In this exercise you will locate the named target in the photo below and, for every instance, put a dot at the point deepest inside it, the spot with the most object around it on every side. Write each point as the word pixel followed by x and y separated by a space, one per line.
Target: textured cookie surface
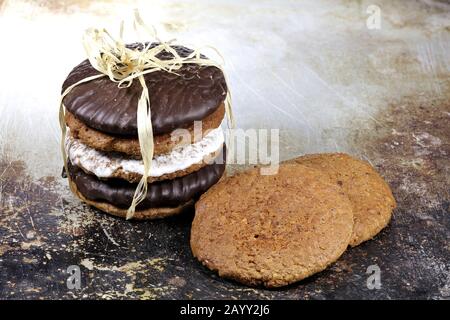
pixel 271 230
pixel 370 195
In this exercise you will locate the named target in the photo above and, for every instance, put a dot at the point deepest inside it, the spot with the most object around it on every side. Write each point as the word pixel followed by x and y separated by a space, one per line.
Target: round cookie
pixel 104 159
pixel 145 214
pixel 177 99
pixel 130 145
pixel 370 195
pixel 135 177
pixel 168 193
pixel 271 230
pixel 180 162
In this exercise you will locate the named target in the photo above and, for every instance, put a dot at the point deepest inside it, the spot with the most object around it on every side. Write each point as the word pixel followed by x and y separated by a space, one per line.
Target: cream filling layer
pixel 103 164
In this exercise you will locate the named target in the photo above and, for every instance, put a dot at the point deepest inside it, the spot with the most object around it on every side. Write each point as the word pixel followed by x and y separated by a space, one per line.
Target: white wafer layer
pixel 103 164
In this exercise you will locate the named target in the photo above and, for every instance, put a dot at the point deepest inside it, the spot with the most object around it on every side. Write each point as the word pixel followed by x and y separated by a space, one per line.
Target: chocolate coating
pixel 176 100
pixel 166 193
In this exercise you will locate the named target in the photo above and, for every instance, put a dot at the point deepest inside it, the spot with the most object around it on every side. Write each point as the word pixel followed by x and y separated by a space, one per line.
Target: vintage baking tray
pixel 330 76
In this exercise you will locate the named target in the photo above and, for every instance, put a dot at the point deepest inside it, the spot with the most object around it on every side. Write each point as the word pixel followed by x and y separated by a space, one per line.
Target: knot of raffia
pixel 122 64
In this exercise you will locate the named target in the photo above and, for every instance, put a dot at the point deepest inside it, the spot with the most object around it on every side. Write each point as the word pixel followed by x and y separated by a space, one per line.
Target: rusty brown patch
pixel 22 202
pixel 411 148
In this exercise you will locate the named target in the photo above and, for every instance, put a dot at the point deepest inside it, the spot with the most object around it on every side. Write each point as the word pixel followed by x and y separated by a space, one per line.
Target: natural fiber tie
pixel 113 59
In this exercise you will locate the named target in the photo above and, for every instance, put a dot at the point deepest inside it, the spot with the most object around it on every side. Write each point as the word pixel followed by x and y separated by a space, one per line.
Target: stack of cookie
pixel 279 229
pixel 104 157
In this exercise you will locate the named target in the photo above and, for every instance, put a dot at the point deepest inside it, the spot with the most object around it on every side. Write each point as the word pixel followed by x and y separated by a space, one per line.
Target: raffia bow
pixel 113 59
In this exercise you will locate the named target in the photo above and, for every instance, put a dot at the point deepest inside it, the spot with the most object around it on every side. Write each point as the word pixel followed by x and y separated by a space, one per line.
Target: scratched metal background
pixel 310 68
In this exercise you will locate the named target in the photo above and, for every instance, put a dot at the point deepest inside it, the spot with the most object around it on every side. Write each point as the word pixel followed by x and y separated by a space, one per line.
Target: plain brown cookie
pixel 147 214
pixel 370 195
pixel 130 146
pixel 271 230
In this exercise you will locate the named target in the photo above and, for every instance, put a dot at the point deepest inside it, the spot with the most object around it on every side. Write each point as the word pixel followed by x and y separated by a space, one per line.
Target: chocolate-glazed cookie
pixel 166 193
pixel 177 100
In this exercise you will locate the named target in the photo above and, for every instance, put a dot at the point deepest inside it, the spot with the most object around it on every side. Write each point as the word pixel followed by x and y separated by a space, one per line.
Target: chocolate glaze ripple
pixel 176 101
pixel 166 193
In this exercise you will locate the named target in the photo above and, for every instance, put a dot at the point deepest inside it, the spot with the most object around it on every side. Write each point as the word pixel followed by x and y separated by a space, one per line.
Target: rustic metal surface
pixel 311 68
